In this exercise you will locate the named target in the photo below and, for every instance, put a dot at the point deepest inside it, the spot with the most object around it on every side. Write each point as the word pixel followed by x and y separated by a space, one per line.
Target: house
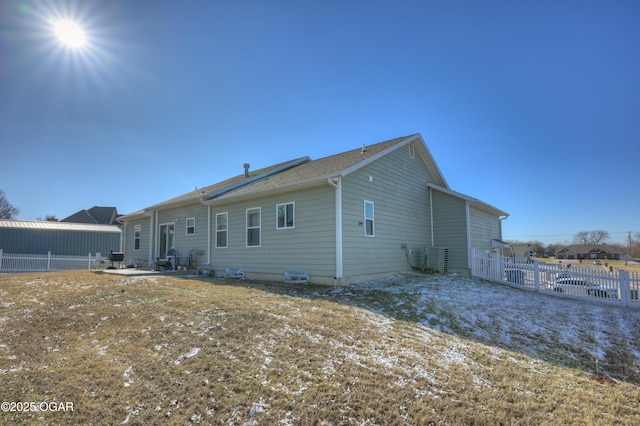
pixel 95 215
pixel 365 213
pixel 60 238
pixel 587 251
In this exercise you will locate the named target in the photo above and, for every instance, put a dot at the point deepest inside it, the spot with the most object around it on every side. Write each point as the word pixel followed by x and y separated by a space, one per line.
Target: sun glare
pixel 70 34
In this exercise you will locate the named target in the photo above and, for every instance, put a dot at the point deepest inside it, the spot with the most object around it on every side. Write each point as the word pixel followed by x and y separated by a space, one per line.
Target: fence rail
pixel 619 287
pixel 16 262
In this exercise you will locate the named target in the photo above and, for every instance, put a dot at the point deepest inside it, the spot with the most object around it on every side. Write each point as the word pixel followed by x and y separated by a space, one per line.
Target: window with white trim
pixel 222 230
pixel 285 216
pixel 137 233
pixel 253 227
pixel 191 226
pixel 368 219
pixel 412 151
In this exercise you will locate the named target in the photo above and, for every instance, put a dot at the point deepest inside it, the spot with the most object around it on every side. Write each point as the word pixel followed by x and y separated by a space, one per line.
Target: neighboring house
pixel 95 215
pixel 587 251
pixel 60 238
pixel 365 213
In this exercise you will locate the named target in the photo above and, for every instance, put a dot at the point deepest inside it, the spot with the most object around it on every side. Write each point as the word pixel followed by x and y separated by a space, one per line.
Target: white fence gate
pixel 616 287
pixel 14 262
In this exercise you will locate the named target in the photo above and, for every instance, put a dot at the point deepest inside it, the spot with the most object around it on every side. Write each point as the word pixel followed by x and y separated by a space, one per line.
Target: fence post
pixel 49 260
pixel 1 259
pixel 89 261
pixel 536 275
pixel 625 287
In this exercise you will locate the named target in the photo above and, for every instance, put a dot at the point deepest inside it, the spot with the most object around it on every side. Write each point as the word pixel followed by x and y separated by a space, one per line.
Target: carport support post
pixel 536 275
pixel 625 287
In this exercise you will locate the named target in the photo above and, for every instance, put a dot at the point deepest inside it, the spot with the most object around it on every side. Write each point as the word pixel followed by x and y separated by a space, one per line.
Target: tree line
pixel 596 237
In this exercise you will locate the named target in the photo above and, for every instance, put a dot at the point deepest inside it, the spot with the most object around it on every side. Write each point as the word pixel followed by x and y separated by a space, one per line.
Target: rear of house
pixel 361 214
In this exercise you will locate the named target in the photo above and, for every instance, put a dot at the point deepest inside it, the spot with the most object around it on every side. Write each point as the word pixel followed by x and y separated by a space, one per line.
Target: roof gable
pixel 96 215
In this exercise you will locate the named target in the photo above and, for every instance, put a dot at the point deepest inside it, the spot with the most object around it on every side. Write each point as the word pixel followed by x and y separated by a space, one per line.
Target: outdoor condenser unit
pixel 437 259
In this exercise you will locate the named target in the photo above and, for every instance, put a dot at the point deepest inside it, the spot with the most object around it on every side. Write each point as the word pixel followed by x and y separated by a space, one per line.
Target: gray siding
pixel 401 210
pixel 309 246
pixel 484 228
pixel 59 242
pixel 450 224
pixel 131 255
pixel 183 242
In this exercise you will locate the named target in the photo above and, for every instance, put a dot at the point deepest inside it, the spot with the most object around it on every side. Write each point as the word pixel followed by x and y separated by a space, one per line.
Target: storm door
pixel 166 237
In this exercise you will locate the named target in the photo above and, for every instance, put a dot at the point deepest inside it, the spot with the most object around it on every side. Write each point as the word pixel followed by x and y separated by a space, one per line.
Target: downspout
pixel 466 205
pixel 208 235
pixel 433 242
pixel 338 186
pixel 501 219
pixel 151 225
pixel 123 238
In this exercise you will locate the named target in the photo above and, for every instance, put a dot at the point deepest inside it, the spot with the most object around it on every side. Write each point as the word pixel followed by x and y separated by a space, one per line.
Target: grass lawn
pixel 404 351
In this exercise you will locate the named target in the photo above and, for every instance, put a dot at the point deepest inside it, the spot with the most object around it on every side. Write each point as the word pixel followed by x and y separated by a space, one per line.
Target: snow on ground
pixel 540 325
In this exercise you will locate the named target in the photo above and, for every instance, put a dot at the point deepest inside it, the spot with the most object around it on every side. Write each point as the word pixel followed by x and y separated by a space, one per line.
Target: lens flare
pixel 70 34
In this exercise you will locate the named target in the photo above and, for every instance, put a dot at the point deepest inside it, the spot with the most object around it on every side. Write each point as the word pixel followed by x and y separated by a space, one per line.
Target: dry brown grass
pixel 178 351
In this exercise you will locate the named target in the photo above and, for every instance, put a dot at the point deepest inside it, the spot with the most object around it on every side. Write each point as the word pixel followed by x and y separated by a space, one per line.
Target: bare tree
pixel 7 211
pixel 596 236
pixel 581 237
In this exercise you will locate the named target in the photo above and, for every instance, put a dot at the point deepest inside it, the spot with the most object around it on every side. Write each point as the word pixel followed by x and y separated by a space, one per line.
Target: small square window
pixel 191 226
pixel 285 216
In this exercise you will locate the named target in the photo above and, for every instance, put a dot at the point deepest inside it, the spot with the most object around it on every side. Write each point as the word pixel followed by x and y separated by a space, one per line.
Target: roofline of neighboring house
pixel 481 205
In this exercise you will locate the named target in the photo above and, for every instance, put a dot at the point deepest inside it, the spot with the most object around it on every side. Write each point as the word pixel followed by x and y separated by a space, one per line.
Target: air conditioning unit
pixel 437 259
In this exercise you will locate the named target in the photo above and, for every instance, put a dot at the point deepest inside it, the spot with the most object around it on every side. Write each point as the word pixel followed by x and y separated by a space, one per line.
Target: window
pixel 368 219
pixel 253 227
pixel 284 216
pixel 222 220
pixel 137 232
pixel 191 226
pixel 412 151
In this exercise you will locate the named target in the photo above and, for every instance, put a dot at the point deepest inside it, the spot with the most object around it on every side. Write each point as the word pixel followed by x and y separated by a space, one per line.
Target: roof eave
pixel 481 205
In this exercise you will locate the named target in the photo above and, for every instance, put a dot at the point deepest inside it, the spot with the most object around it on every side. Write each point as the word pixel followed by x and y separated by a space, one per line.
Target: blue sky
pixel 533 107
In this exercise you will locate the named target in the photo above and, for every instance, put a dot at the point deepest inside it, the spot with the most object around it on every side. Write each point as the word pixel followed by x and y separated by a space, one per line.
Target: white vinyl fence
pixel 13 262
pixel 619 287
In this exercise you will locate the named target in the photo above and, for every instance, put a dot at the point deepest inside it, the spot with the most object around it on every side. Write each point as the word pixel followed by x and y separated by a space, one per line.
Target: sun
pixel 70 34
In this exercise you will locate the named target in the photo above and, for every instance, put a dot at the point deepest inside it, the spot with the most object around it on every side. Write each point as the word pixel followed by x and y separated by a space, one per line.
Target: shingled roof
pixel 295 172
pixel 95 215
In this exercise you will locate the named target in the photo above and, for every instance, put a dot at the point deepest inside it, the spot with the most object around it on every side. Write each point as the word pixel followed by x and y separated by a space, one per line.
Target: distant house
pixel 95 215
pixel 587 251
pixel 361 214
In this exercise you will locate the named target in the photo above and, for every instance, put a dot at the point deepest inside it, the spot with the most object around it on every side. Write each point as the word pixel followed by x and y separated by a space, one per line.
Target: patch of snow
pixel 128 375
